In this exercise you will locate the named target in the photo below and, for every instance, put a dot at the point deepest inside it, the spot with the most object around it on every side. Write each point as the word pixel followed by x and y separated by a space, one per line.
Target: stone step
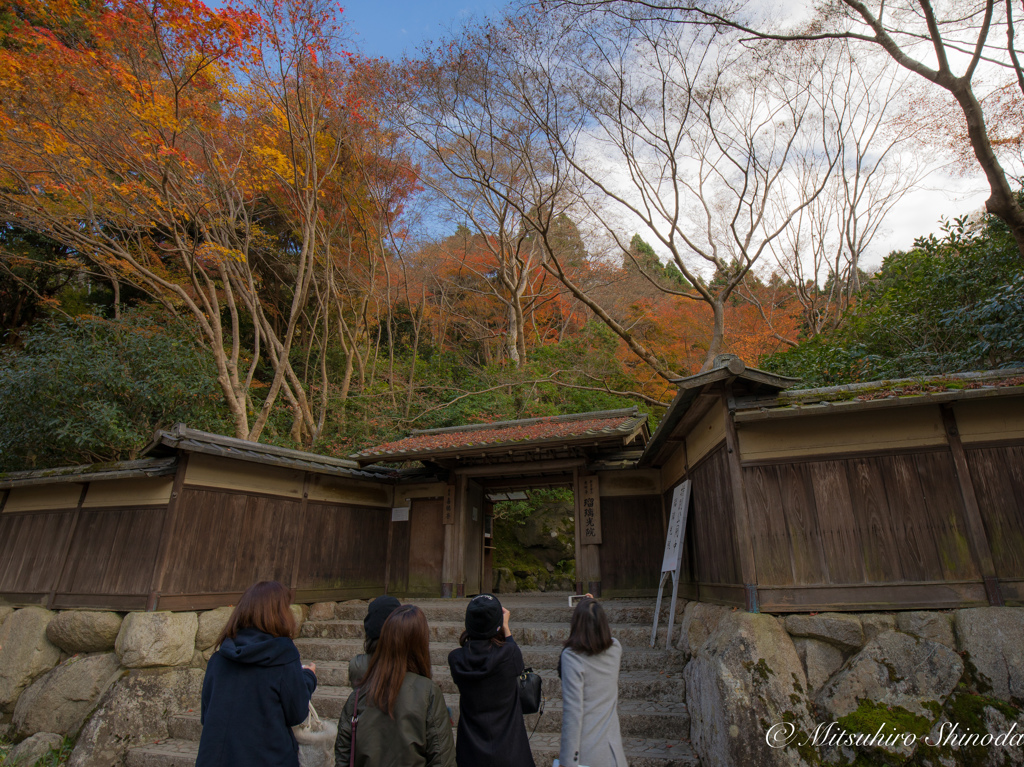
pixel 536 656
pixel 164 753
pixel 335 674
pixel 640 752
pixel 637 718
pixel 637 612
pixel 643 686
pixel 525 633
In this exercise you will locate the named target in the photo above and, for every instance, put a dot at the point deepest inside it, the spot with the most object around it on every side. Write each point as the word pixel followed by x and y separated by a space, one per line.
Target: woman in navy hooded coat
pixel 256 688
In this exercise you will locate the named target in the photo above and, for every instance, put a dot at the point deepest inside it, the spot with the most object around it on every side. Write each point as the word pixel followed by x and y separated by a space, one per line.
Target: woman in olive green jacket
pixel 397 716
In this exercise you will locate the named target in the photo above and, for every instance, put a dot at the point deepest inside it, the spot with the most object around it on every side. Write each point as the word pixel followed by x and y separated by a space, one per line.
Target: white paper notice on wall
pixel 400 514
pixel 676 529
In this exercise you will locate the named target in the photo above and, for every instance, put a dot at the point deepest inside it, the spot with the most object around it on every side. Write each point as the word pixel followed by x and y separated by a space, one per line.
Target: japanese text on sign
pixel 590 510
pixel 676 528
pixel 449 505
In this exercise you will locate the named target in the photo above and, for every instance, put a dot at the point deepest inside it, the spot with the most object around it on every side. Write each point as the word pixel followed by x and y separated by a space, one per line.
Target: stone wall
pixel 926 688
pixel 111 680
pixel 761 689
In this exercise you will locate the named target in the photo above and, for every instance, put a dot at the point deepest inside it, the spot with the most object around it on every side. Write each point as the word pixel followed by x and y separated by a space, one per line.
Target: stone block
pixel 993 639
pixel 700 621
pixel 820 660
pixel 840 629
pixel 30 751
pixel 61 699
pixel 211 623
pixel 136 710
pixel 84 631
pixel 937 627
pixel 743 678
pixel 876 623
pixel 300 612
pixel 25 652
pixel 157 639
pixel 898 679
pixel 322 611
pixel 504 581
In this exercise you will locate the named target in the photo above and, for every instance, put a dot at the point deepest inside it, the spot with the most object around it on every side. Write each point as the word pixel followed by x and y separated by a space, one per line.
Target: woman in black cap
pixel 486 669
pixel 378 612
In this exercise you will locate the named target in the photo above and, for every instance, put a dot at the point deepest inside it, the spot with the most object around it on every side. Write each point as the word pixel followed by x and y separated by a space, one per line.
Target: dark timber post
pixel 980 548
pixel 450 513
pixel 66 548
pixel 741 515
pixel 300 535
pixel 166 534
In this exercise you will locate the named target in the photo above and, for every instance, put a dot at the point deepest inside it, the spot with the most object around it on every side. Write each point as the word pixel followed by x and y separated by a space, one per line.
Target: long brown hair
pixel 589 633
pixel 404 646
pixel 265 606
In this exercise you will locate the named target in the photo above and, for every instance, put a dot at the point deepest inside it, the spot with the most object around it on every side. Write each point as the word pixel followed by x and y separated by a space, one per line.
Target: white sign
pixel 673 559
pixel 400 514
pixel 676 529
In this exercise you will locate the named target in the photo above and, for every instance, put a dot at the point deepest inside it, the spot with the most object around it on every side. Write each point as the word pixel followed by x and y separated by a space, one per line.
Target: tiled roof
pixel 180 437
pixel 606 425
pixel 95 472
pixel 874 395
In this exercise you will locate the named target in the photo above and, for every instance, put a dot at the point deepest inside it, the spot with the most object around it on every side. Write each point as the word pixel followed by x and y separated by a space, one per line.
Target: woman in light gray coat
pixel 589 668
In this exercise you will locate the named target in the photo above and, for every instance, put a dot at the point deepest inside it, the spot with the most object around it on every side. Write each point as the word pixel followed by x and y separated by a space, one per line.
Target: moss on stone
pixel 968 712
pixel 761 669
pixel 802 742
pixel 869 716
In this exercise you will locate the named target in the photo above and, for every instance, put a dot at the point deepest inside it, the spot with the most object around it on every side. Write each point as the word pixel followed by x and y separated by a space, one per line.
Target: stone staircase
pixel 652 709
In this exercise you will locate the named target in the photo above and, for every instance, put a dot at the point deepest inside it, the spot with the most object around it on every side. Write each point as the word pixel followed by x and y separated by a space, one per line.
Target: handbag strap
pixel 315 723
pixel 352 740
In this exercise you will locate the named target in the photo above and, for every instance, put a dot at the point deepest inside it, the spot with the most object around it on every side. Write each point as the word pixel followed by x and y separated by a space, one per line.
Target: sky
pixel 389 28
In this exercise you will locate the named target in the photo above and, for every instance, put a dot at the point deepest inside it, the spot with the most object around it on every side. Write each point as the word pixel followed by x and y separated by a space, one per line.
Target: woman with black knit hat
pixel 378 612
pixel 486 669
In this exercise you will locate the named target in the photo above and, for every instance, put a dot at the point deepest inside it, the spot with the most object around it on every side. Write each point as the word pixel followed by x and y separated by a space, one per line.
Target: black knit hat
pixel 484 617
pixel 378 612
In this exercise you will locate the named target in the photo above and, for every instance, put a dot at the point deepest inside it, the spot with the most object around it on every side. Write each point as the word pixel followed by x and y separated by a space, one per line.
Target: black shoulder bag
pixel 531 699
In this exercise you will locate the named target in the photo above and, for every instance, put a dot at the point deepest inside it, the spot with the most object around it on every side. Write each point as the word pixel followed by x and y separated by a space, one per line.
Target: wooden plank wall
pixel 632 538
pixel 110 560
pixel 998 476
pixel 223 541
pixel 342 551
pixel 711 566
pixel 31 543
pixel 852 532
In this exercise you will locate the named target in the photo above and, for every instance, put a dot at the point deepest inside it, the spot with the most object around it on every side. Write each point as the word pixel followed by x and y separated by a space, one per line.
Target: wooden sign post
pixel 673 558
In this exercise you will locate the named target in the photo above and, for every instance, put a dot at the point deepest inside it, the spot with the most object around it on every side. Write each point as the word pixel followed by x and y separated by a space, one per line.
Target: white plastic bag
pixel 316 740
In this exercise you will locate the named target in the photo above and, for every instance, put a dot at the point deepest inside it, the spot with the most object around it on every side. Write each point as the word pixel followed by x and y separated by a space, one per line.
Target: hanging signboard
pixel 590 507
pixel 673 559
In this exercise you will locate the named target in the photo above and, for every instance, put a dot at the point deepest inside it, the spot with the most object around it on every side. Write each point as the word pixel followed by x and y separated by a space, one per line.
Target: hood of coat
pixel 479 658
pixel 256 648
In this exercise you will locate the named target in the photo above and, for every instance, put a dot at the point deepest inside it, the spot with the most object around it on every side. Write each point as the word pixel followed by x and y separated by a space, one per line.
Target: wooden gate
pixel 417 548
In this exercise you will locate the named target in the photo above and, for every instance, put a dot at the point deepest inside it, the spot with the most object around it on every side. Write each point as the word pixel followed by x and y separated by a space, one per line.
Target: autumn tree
pixel 486 169
pixel 709 140
pixel 821 254
pixel 967 49
pixel 189 152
